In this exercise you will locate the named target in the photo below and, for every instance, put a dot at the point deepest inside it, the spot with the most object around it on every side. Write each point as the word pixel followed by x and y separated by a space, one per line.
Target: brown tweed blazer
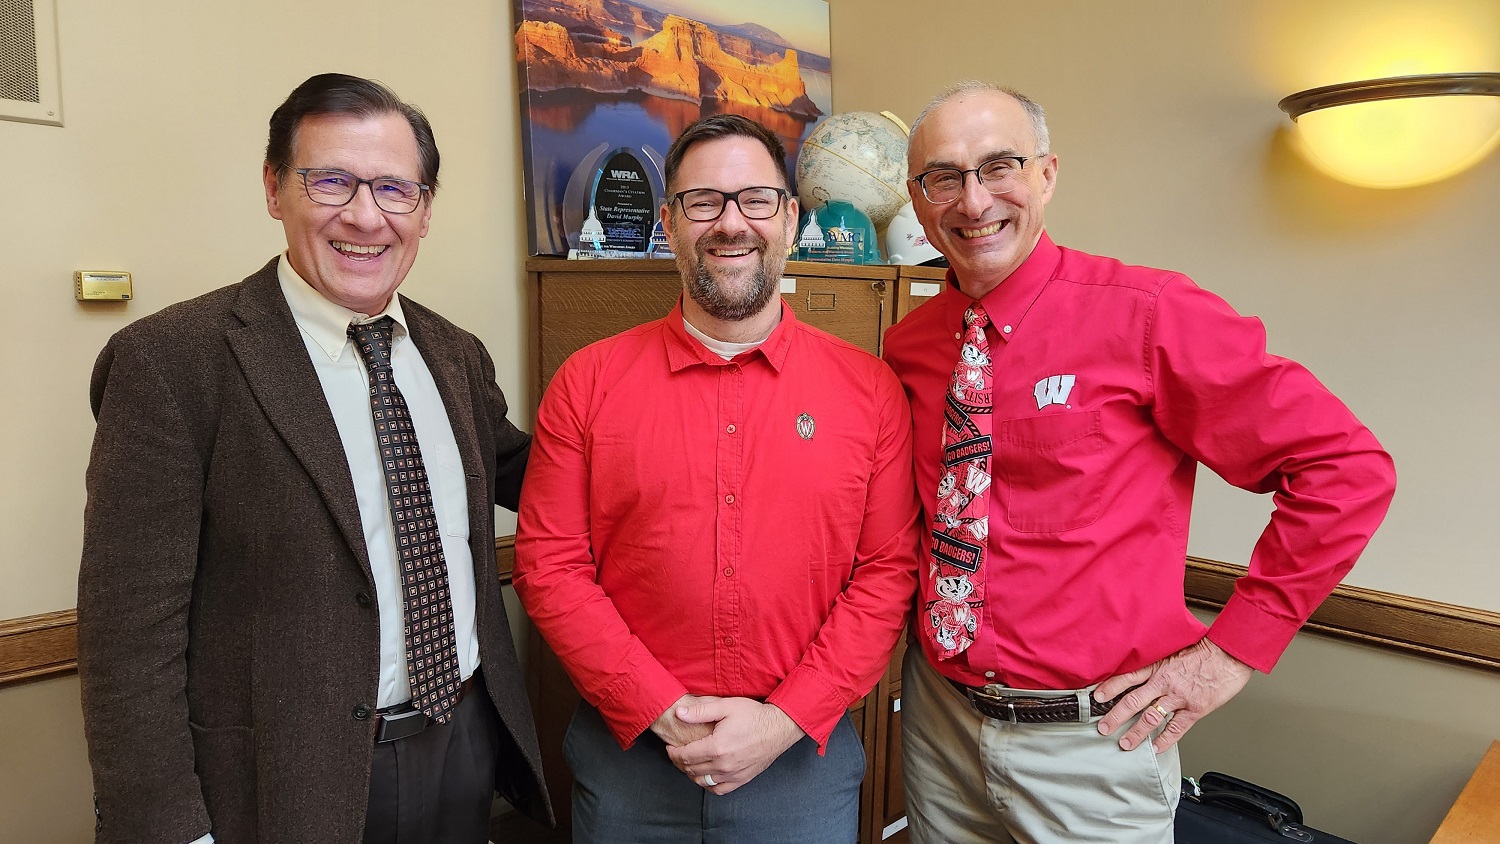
pixel 228 641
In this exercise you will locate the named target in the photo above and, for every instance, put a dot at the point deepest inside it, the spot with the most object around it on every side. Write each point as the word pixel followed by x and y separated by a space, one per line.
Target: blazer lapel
pixel 274 360
pixel 440 351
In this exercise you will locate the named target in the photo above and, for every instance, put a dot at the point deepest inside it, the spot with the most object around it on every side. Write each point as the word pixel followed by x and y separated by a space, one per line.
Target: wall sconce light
pixel 1399 131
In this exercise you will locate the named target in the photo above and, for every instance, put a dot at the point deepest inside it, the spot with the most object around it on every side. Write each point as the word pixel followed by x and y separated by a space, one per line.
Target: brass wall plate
pixel 101 286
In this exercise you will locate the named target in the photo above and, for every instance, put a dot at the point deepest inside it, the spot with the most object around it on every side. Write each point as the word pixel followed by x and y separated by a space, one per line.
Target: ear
pixel 273 190
pixel 666 218
pixel 1049 178
pixel 426 215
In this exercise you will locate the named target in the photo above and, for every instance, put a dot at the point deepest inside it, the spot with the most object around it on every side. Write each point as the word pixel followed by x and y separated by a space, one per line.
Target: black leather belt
pixel 403 719
pixel 1032 709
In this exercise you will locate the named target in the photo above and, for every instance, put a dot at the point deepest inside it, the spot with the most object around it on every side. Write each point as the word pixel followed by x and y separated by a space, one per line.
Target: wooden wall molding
pixel 44 645
pixel 1395 622
pixel 38 646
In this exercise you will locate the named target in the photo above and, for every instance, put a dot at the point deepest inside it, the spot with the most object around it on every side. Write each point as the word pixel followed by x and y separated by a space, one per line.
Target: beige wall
pixel 1163 115
pixel 1172 153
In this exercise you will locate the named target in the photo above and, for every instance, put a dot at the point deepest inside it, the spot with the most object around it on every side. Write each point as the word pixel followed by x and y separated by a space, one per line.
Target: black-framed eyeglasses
pixel 704 205
pixel 337 187
pixel 998 175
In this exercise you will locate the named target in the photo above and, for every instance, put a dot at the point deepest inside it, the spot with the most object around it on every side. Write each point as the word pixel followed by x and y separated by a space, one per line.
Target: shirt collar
pixel 683 350
pixel 1012 298
pixel 325 322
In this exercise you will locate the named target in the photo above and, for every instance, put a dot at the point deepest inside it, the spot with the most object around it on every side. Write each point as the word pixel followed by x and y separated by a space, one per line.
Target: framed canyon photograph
pixel 606 85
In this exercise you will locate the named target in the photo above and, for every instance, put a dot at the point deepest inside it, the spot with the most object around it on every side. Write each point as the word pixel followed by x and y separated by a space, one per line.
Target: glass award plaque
pixel 611 204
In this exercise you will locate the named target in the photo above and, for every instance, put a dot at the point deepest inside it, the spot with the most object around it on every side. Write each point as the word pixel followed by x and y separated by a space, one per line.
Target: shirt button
pixel 729 572
pixel 989 675
pixel 361 712
pixel 958 335
pixel 730 429
pixel 729 499
pixel 1006 329
pixel 728 641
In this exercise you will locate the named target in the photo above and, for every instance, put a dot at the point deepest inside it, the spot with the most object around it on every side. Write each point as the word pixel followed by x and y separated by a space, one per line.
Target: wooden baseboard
pixel 47 644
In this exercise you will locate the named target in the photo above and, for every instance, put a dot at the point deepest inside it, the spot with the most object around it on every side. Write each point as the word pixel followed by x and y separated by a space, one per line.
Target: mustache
pixel 743 240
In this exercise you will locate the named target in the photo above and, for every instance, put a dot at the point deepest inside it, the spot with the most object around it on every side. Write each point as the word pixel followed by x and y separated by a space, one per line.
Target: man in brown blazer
pixel 290 625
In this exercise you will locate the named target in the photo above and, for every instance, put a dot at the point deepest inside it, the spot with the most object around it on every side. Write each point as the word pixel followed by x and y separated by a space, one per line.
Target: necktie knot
pixel 976 317
pixel 373 340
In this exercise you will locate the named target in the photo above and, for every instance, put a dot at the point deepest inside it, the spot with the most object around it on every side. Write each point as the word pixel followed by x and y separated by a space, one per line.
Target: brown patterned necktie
pixel 431 651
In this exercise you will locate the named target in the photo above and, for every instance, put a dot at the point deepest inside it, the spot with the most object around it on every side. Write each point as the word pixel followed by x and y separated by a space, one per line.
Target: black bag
pixel 1220 809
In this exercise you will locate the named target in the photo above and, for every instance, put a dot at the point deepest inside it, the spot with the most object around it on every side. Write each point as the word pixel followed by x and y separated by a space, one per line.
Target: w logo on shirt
pixel 1054 389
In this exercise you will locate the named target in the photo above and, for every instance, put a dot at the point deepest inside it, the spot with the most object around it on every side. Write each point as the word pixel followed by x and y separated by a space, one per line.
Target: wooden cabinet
pixel 575 303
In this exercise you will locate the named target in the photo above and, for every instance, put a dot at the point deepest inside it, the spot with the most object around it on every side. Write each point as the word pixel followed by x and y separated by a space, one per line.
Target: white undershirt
pixel 722 348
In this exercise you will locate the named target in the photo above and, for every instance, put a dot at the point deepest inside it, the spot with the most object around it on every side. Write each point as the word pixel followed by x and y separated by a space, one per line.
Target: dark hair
pixel 725 126
pixel 339 93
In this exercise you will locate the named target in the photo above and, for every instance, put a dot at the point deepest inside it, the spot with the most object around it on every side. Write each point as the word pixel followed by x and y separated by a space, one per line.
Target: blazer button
pixel 363 599
pixel 361 712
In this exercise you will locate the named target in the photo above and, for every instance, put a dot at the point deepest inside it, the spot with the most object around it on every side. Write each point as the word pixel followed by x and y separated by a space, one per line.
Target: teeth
pixel 731 253
pixel 984 232
pixel 356 249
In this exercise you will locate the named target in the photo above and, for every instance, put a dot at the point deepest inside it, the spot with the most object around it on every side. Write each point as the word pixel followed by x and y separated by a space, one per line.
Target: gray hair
pixel 971 86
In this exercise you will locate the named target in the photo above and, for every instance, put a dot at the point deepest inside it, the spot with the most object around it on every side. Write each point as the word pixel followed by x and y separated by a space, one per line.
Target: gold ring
pixel 1165 715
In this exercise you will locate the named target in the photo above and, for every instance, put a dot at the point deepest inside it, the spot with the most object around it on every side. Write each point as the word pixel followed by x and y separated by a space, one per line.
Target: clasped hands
pixel 721 743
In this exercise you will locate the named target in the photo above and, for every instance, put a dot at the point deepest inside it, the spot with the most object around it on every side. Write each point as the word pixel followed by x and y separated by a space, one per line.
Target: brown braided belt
pixel 1027 709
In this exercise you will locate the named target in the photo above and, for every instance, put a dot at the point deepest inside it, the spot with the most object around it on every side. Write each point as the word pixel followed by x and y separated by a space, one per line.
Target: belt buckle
pixel 1006 701
pixel 400 725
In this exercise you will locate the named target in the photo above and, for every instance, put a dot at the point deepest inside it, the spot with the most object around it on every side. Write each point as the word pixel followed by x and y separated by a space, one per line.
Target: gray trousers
pixel 638 796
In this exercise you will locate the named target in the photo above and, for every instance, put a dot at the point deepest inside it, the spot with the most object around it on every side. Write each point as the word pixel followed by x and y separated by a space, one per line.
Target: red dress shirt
pixel 741 528
pixel 1112 383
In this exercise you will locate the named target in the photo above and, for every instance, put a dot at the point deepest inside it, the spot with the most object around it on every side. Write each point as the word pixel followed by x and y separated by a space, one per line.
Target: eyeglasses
pixel 704 205
pixel 336 187
pixel 998 175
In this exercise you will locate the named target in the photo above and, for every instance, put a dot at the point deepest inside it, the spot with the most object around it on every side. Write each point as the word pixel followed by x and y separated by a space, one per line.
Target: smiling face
pixel 731 267
pixel 984 237
pixel 355 255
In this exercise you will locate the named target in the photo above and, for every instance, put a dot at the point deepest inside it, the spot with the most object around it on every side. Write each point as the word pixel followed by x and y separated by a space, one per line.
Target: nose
pixel 361 210
pixel 731 220
pixel 976 198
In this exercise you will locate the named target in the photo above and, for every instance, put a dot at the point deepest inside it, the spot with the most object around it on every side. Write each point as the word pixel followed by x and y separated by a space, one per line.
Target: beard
pixel 718 300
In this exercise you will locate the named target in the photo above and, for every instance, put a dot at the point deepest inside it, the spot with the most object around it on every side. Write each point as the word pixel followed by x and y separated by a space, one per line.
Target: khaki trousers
pixel 977 780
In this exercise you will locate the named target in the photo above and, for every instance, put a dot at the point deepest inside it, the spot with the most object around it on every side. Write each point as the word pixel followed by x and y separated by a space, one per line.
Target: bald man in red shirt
pixel 1061 405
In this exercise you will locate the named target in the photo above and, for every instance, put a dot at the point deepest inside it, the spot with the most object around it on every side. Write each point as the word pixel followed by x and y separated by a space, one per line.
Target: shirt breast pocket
pixel 451 487
pixel 1050 471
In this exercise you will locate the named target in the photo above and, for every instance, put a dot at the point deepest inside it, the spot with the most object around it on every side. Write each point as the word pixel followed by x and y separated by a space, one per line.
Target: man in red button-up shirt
pixel 1110 384
pixel 718 533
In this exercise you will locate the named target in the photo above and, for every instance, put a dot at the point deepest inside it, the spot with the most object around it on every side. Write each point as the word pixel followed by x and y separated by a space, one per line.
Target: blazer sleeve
pixel 141 526
pixel 512 445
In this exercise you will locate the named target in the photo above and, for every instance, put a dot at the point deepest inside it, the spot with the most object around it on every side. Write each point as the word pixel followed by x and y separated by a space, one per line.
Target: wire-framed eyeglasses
pixel 704 205
pixel 337 187
pixel 998 175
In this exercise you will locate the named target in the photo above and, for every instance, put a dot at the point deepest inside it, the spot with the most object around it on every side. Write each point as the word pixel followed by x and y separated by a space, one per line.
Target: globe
pixel 857 157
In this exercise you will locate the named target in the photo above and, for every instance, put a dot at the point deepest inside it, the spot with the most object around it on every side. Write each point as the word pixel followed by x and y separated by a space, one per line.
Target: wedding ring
pixel 708 781
pixel 1165 715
